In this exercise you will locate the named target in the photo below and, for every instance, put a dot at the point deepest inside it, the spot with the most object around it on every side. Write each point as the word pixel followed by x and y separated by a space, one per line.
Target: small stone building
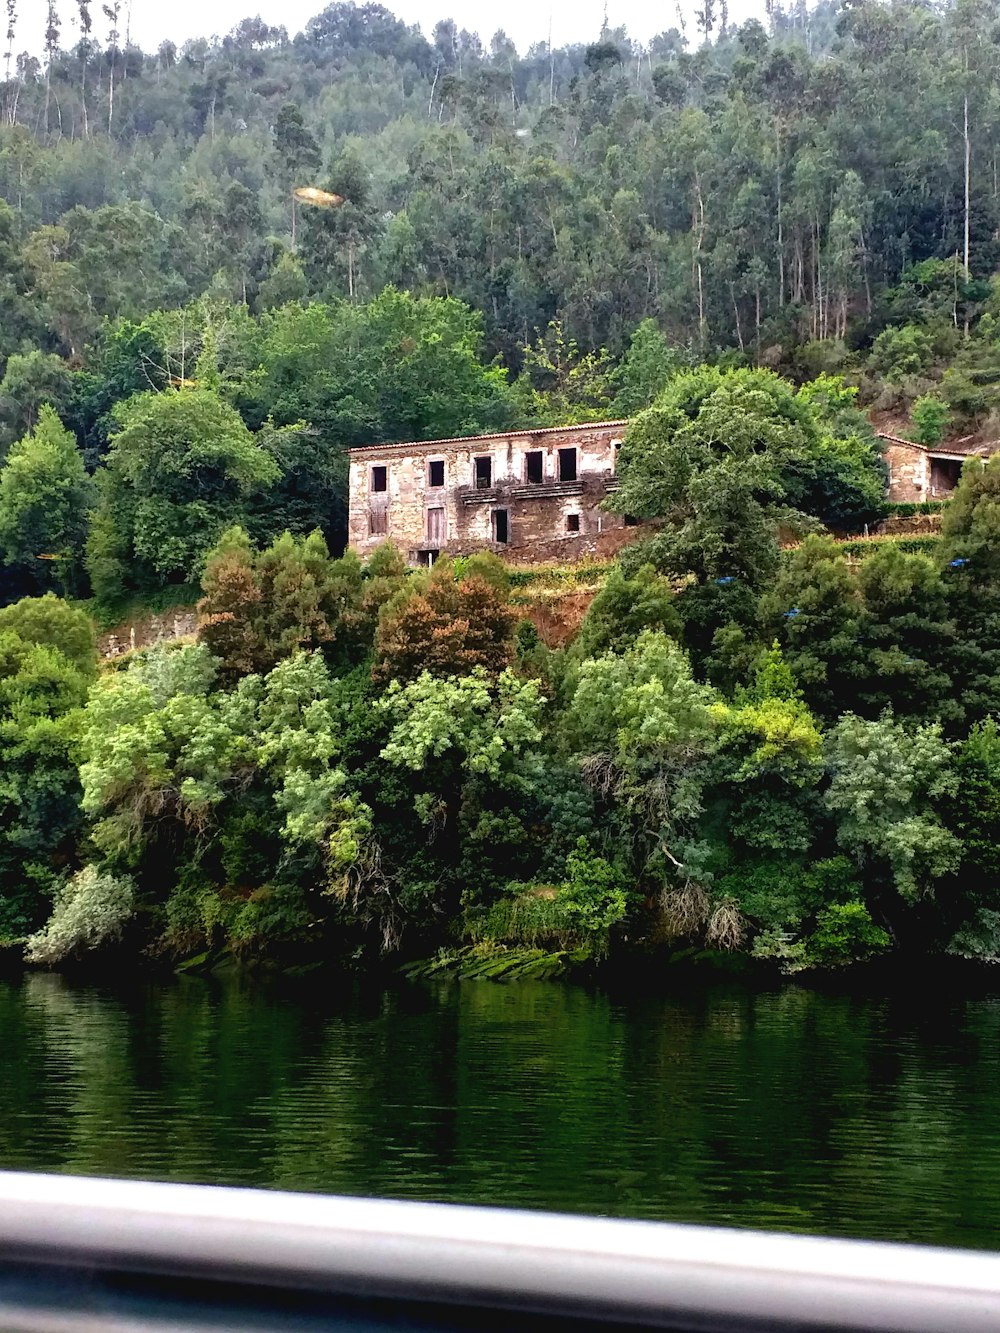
pixel 514 492
pixel 919 472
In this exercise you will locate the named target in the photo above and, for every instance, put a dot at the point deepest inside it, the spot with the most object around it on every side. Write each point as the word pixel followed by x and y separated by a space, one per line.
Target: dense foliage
pixel 757 741
pixel 359 759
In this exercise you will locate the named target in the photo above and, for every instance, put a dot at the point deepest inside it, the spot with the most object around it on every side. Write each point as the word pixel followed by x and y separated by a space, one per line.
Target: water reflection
pixel 789 1109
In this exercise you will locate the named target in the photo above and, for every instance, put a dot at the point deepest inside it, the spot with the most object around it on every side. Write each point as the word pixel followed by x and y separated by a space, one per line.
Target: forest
pixel 756 243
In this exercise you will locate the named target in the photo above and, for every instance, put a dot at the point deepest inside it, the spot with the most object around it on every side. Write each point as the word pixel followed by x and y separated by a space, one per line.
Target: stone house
pixel 919 472
pixel 515 492
pixel 537 494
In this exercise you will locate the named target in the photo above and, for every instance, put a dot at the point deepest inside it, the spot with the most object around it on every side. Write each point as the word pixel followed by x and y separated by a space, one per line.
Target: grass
pixel 899 509
pixel 552 574
pixel 106 615
pixel 861 548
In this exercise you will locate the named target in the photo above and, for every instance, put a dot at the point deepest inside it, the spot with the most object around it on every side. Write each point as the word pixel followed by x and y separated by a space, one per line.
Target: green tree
pixel 644 370
pixel 41 694
pixel 930 417
pixel 970 563
pixel 909 638
pixel 44 501
pixel 180 469
pixel 708 459
pixel 90 911
pixel 641 726
pixel 51 622
pixel 625 607
pixel 31 382
pixel 888 790
pixel 816 612
pixel 296 152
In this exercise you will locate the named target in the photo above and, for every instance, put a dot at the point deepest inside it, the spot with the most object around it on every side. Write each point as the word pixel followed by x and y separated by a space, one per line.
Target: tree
pixel 89 912
pixel 446 625
pixel 816 612
pixel 769 764
pixel 489 724
pixel 888 787
pixel 41 694
pixel 641 726
pixel 179 471
pixel 909 636
pixel 31 382
pixel 930 417
pixel 712 459
pixel 624 608
pixel 44 500
pixel 569 385
pixel 334 240
pixel 296 152
pixel 260 607
pixel 970 564
pixel 51 622
pixel 642 373
pixel 398 368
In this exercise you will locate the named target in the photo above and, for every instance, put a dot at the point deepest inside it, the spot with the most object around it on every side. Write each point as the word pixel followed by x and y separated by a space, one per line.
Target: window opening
pixel 378 522
pixel 572 522
pixel 435 472
pixel 534 467
pixel 567 465
pixel 484 473
pixel 501 526
pixel 380 478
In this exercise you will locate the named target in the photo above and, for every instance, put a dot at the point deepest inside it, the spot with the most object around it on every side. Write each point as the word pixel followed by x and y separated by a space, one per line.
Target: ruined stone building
pixel 920 472
pixel 537 494
pixel 513 492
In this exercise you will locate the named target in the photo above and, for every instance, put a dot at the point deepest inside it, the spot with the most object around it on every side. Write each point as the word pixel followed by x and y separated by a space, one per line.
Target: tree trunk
pixel 781 241
pixel 736 312
pixel 83 97
pixel 968 166
pixel 699 237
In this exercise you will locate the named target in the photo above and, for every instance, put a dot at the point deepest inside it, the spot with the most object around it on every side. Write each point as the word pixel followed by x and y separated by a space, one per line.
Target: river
pixel 789 1109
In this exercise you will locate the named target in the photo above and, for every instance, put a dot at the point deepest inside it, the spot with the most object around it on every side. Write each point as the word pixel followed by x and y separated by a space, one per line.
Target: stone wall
pixel 463 513
pixel 909 472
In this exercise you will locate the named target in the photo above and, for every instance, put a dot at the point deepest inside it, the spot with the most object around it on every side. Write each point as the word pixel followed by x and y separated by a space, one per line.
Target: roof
pixel 496 435
pixel 960 448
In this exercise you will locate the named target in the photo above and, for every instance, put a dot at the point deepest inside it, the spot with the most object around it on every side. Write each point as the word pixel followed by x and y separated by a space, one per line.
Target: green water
pixel 789 1109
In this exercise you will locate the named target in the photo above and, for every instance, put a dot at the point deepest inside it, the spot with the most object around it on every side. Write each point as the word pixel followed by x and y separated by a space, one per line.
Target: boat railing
pixel 90 1254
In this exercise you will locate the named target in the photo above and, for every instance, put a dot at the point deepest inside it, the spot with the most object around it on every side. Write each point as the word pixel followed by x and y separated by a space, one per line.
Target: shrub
pixel 90 910
pixel 845 933
pixel 594 896
pixel 527 915
pixel 930 417
pixel 899 352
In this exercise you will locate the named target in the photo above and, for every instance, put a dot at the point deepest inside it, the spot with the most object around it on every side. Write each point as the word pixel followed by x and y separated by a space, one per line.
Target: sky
pixel 525 21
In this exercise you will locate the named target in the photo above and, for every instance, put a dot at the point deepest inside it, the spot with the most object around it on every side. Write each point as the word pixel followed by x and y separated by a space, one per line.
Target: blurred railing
pixel 84 1254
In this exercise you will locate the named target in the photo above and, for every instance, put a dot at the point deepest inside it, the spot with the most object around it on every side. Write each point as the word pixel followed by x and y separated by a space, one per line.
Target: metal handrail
pixel 563 1267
